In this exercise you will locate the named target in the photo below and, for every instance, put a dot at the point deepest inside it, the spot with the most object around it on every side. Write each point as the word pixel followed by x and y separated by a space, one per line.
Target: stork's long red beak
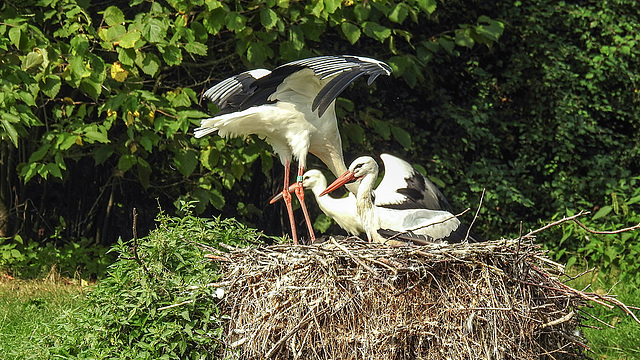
pixel 278 196
pixel 341 180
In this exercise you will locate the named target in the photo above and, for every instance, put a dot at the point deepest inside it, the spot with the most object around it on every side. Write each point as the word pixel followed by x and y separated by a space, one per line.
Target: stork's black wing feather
pixel 332 90
pixel 228 93
pixel 347 67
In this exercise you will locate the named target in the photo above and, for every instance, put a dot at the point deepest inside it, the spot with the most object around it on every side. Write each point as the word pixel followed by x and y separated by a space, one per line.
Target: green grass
pixel 33 312
pixel 623 342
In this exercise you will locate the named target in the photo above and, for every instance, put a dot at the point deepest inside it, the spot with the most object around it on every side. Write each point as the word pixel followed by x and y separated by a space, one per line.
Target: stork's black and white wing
pixel 232 94
pixel 403 187
pixel 344 68
pixel 254 87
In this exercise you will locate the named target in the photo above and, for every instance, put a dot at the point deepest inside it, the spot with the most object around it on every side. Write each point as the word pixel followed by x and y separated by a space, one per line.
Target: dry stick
pixel 635 227
pixel 466 238
pixel 136 257
pixel 595 318
pixel 564 219
pixel 580 275
pixel 175 305
pixel 559 321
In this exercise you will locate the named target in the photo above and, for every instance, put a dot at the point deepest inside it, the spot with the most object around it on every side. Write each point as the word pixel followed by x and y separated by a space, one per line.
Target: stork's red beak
pixel 278 196
pixel 343 179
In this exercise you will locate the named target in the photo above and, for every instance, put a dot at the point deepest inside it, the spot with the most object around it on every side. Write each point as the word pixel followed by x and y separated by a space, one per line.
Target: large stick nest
pixel 349 299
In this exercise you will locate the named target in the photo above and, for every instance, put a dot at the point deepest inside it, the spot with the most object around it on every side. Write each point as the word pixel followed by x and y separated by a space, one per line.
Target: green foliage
pixel 525 120
pixel 29 259
pixel 611 253
pixel 118 85
pixel 157 301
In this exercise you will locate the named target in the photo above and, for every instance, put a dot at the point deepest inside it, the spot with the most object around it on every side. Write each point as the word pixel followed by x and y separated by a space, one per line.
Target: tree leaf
pixel 492 31
pixel 113 16
pixel 129 39
pixel 32 60
pixel 148 63
pixel 171 54
pixel 94 134
pixel 118 73
pixel 54 169
pixel 50 85
pixel 399 13
pixel 428 6
pixel 362 11
pixel 258 52
pixel 268 17
pixel 376 31
pixel 154 30
pixel 40 153
pixel 144 172
pixel 463 38
pixel 102 153
pixel 196 48
pixel 10 131
pixel 401 136
pixel 126 162
pixel 186 161
pixel 235 22
pixel 351 32
pixel 15 33
pixel 602 212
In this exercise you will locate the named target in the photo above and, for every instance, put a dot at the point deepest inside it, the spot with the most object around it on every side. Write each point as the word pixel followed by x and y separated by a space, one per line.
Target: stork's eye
pixel 358 166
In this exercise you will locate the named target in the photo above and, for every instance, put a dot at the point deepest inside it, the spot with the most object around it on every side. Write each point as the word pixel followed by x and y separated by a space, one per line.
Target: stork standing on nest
pixel 434 225
pixel 402 187
pixel 293 109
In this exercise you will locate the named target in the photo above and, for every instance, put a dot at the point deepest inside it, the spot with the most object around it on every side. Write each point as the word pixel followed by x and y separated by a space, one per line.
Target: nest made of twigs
pixel 350 299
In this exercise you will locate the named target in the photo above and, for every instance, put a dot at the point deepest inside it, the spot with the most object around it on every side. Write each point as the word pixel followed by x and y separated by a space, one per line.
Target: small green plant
pixel 607 249
pixel 158 301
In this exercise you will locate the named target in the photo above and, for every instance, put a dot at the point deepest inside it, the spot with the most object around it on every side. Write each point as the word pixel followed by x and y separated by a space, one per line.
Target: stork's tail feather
pixel 207 126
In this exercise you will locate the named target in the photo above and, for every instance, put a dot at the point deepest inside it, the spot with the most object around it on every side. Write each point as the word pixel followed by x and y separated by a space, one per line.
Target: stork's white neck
pixel 366 209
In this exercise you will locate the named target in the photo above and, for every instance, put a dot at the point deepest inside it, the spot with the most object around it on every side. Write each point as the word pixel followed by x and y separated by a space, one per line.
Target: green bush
pixel 155 302
pixel 613 254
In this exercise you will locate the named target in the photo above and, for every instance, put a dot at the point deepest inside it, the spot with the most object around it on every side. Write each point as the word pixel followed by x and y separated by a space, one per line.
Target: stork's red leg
pixel 286 196
pixel 300 194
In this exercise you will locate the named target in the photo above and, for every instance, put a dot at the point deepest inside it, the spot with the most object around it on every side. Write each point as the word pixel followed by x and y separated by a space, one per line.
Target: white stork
pixel 342 210
pixel 434 225
pixel 293 109
pixel 402 187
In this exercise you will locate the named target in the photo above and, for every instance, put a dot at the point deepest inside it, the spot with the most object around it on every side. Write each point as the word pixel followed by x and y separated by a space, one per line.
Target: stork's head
pixel 361 167
pixel 313 177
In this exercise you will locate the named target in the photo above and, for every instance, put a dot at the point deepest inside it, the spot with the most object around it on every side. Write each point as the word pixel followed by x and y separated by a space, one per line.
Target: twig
pixel 579 275
pixel 214 284
pixel 466 238
pixel 559 321
pixel 134 248
pixel 564 219
pixel 635 227
pixel 216 257
pixel 175 305
pixel 596 319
